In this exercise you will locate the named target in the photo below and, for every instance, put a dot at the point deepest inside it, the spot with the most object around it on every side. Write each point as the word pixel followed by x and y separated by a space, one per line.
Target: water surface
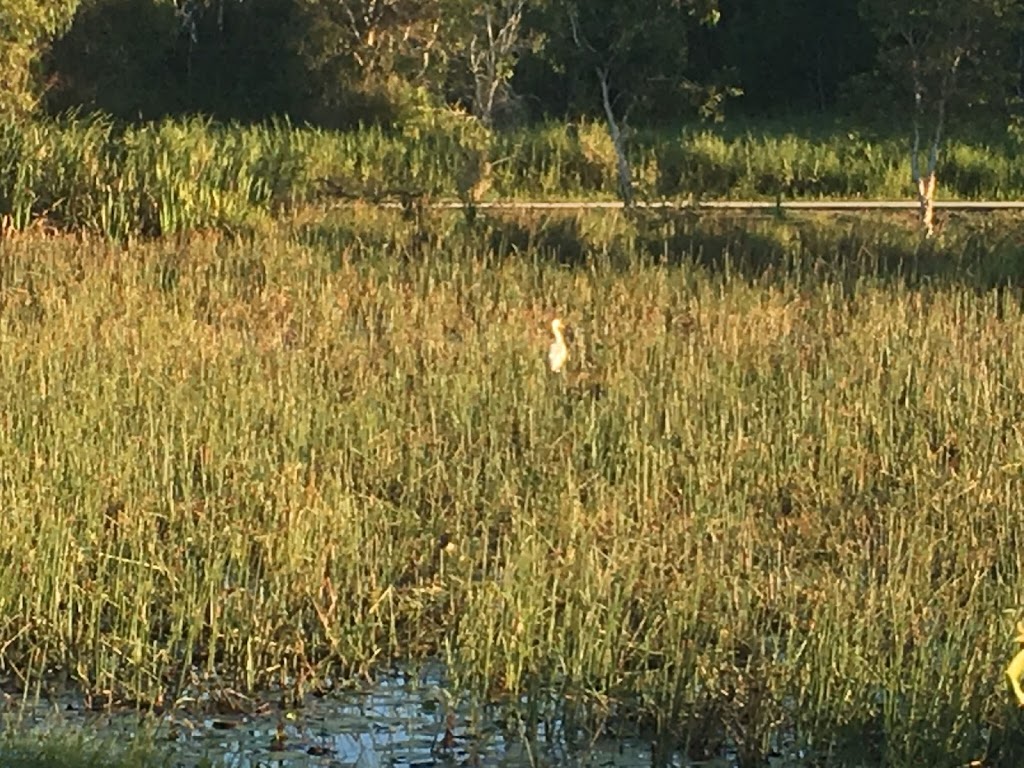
pixel 401 720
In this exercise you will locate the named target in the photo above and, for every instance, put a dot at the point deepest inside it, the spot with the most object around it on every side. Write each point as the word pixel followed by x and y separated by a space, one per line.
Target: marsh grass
pixel 65 748
pixel 173 177
pixel 774 501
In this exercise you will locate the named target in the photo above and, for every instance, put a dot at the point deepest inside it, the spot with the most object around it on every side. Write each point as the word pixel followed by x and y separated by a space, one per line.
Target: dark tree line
pixel 337 63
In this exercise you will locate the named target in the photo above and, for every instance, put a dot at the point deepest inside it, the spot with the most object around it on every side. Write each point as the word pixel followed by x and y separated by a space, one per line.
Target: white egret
pixel 558 352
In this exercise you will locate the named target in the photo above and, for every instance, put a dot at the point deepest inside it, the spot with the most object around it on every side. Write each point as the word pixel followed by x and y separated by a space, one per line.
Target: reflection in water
pixel 400 721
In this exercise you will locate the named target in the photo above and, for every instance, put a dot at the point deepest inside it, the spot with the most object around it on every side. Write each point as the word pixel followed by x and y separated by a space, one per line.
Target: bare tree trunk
pixel 474 179
pixel 927 182
pixel 491 60
pixel 926 200
pixel 618 141
pixel 622 160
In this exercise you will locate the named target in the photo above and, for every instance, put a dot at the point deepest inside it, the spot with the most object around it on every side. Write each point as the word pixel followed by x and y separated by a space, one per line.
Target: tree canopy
pixel 341 62
pixel 26 26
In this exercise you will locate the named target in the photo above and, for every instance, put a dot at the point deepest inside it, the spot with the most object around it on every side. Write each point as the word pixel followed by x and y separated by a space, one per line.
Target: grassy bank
pixel 174 177
pixel 775 497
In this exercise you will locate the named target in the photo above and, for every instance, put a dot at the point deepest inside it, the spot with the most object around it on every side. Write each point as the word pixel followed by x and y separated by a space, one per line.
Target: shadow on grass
pixel 980 251
pixel 977 251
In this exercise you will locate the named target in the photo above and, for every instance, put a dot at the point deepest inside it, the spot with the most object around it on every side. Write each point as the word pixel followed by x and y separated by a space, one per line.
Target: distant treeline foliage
pixel 339 63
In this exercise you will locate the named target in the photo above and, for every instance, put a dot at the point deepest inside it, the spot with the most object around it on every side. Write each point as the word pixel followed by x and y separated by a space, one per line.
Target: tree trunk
pixel 926 199
pixel 925 183
pixel 622 161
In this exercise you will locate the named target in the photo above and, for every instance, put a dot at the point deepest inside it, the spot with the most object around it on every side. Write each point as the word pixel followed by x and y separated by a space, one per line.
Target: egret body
pixel 558 353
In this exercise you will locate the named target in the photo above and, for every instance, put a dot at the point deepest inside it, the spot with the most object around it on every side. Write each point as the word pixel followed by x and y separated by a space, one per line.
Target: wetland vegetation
pixel 261 437
pixel 772 503
pixel 171 177
pixel 68 749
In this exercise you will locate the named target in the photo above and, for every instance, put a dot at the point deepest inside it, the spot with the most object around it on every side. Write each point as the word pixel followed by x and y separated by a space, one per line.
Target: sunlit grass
pixel 776 489
pixel 181 176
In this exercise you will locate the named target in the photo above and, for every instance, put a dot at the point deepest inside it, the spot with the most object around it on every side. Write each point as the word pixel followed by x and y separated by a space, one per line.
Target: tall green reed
pixel 773 502
pixel 174 177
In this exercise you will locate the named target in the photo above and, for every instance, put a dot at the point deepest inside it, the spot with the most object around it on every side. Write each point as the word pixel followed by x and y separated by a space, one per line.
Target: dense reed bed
pixel 172 177
pixel 774 502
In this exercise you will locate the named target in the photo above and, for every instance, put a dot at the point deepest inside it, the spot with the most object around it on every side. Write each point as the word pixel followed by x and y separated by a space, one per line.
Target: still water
pixel 401 720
